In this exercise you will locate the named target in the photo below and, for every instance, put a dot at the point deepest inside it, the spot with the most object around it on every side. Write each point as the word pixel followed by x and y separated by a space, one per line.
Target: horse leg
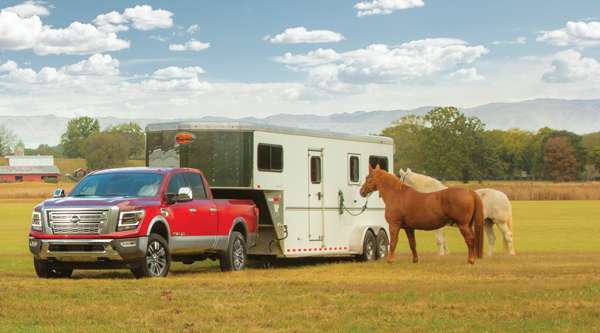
pixel 410 233
pixel 446 249
pixel 394 230
pixel 507 236
pixel 489 231
pixel 440 239
pixel 470 240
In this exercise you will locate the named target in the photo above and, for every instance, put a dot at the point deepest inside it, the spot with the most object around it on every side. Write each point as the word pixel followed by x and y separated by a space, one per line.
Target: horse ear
pixel 377 167
pixel 370 169
pixel 402 173
pixel 408 170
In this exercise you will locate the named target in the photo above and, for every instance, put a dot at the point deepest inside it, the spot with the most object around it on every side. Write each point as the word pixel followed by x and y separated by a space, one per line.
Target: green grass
pixel 551 285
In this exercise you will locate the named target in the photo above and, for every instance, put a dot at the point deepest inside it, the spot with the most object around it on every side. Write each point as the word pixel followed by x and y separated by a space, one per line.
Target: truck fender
pixel 357 238
pixel 160 219
pixel 237 224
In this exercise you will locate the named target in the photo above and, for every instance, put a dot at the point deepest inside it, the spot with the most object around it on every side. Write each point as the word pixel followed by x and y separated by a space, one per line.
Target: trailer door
pixel 315 194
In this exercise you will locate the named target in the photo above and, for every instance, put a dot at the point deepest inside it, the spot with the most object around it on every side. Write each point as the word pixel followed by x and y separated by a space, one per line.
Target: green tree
pixel 44 149
pixel 485 160
pixel 104 150
pixel 407 133
pixel 8 140
pixel 134 135
pixel 78 130
pixel 559 162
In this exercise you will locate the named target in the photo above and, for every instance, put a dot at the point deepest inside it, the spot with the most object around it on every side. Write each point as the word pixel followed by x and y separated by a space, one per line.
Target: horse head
pixel 369 186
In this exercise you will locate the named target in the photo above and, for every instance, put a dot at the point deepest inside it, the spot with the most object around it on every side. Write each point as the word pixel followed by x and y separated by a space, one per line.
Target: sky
pixel 258 58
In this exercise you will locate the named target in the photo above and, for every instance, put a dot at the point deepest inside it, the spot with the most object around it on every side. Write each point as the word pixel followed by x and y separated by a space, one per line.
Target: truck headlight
pixel 130 219
pixel 36 221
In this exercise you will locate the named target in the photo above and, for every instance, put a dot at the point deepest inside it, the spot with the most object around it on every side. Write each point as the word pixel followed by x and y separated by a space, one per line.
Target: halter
pixel 369 184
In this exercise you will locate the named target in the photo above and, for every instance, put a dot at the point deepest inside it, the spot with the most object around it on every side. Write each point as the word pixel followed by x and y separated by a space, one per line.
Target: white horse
pixel 496 209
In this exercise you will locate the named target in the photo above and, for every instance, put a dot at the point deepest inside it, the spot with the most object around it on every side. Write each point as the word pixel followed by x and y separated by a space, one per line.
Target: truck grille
pixel 77 223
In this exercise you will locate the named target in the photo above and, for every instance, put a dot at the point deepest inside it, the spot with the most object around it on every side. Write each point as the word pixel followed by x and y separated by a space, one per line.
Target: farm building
pixel 29 168
pixel 79 173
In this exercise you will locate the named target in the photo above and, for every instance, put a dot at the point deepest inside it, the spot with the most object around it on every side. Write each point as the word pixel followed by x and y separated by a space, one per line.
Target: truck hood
pixel 95 201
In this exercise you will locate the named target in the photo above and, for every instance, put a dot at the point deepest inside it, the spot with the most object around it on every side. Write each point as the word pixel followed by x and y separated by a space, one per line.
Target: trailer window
pixel 270 158
pixel 381 160
pixel 354 176
pixel 197 185
pixel 315 169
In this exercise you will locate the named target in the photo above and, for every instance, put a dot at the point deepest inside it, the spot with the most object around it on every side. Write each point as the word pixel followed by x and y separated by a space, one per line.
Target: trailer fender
pixel 357 238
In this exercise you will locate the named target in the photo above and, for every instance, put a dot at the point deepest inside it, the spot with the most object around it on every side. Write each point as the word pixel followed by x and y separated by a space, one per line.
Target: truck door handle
pixel 192 210
pixel 212 210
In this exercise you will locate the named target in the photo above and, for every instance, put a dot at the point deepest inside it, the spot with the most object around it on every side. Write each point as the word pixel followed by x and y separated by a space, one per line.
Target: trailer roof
pixel 237 126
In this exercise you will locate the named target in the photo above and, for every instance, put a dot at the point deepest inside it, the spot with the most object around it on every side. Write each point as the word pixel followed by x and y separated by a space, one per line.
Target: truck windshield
pixel 119 184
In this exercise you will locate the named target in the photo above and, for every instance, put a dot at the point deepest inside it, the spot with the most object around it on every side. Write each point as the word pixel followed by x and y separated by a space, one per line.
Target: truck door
pixel 315 194
pixel 204 217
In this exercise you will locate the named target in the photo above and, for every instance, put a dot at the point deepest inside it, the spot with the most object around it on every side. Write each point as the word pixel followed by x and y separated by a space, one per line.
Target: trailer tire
pixel 236 257
pixel 382 244
pixel 369 248
pixel 48 273
pixel 157 261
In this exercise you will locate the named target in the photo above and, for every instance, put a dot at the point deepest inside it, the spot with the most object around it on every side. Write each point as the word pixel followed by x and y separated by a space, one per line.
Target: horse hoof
pixel 389 262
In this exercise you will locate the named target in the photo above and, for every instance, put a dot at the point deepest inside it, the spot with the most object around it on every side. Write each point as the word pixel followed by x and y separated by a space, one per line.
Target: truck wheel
pixel 157 261
pixel 235 258
pixel 47 273
pixel 369 248
pixel 382 244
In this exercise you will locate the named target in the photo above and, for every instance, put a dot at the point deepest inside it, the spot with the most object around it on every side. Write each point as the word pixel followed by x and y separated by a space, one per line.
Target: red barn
pixel 28 173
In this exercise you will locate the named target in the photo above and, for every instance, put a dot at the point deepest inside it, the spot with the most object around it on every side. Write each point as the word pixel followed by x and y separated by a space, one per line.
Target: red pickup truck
pixel 140 219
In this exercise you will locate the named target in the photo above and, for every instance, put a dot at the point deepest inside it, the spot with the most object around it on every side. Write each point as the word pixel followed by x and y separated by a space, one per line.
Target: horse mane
pixel 423 182
pixel 392 180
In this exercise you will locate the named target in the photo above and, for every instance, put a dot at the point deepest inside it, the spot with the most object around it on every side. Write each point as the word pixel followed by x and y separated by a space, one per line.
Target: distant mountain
pixel 579 116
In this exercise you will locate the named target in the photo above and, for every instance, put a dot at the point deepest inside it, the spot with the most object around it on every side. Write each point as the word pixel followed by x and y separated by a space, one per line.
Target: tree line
pixel 113 147
pixel 445 143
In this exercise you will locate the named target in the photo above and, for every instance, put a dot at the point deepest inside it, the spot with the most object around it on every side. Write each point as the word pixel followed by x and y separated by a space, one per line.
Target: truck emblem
pixel 75 219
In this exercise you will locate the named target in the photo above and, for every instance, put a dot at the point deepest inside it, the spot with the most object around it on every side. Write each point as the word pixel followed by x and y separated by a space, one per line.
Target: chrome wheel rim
pixel 382 248
pixel 238 255
pixel 369 249
pixel 156 258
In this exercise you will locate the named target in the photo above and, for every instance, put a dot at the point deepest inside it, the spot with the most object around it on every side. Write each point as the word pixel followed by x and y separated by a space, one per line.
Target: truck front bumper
pixel 89 253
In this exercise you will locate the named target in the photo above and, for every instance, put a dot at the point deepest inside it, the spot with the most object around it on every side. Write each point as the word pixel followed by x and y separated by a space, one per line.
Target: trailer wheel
pixel 235 258
pixel 157 261
pixel 382 244
pixel 47 273
pixel 369 248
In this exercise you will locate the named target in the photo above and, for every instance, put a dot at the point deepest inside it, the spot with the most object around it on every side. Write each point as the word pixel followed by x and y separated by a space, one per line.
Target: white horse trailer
pixel 305 183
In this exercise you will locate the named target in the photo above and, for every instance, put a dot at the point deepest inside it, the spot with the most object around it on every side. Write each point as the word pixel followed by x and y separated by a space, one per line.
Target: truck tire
pixel 157 261
pixel 235 258
pixel 382 245
pixel 46 273
pixel 369 248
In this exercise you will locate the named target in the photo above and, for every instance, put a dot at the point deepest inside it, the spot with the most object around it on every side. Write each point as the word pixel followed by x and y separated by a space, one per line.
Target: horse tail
pixel 509 224
pixel 477 221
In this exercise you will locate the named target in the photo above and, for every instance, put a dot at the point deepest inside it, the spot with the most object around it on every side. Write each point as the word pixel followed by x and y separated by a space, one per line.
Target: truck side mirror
pixel 185 194
pixel 60 193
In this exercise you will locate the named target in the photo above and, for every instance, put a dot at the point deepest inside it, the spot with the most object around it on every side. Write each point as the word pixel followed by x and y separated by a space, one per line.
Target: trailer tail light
pixel 256 212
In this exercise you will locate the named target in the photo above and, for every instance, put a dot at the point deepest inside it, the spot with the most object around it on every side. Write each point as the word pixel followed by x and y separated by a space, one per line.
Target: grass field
pixel 551 285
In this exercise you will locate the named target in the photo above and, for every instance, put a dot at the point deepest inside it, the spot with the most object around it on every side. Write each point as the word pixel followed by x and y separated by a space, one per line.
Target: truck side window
pixel 197 185
pixel 269 157
pixel 381 160
pixel 175 183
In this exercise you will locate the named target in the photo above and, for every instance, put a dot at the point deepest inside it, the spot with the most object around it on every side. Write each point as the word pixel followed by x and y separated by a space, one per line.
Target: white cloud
pixel 465 75
pixel 159 38
pixel 183 85
pixel 416 61
pixel 18 33
pixel 29 9
pixel 192 45
pixel 97 64
pixel 570 67
pixel 579 34
pixel 177 72
pixel 78 38
pixel 27 76
pixel 193 29
pixel 301 35
pixel 382 7
pixel 142 18
pixel 519 40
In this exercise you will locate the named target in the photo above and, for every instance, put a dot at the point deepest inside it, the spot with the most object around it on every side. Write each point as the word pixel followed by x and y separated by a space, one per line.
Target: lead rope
pixel 343 207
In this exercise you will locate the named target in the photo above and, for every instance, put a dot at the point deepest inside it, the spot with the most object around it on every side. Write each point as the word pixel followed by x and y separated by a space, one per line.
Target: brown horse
pixel 408 209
